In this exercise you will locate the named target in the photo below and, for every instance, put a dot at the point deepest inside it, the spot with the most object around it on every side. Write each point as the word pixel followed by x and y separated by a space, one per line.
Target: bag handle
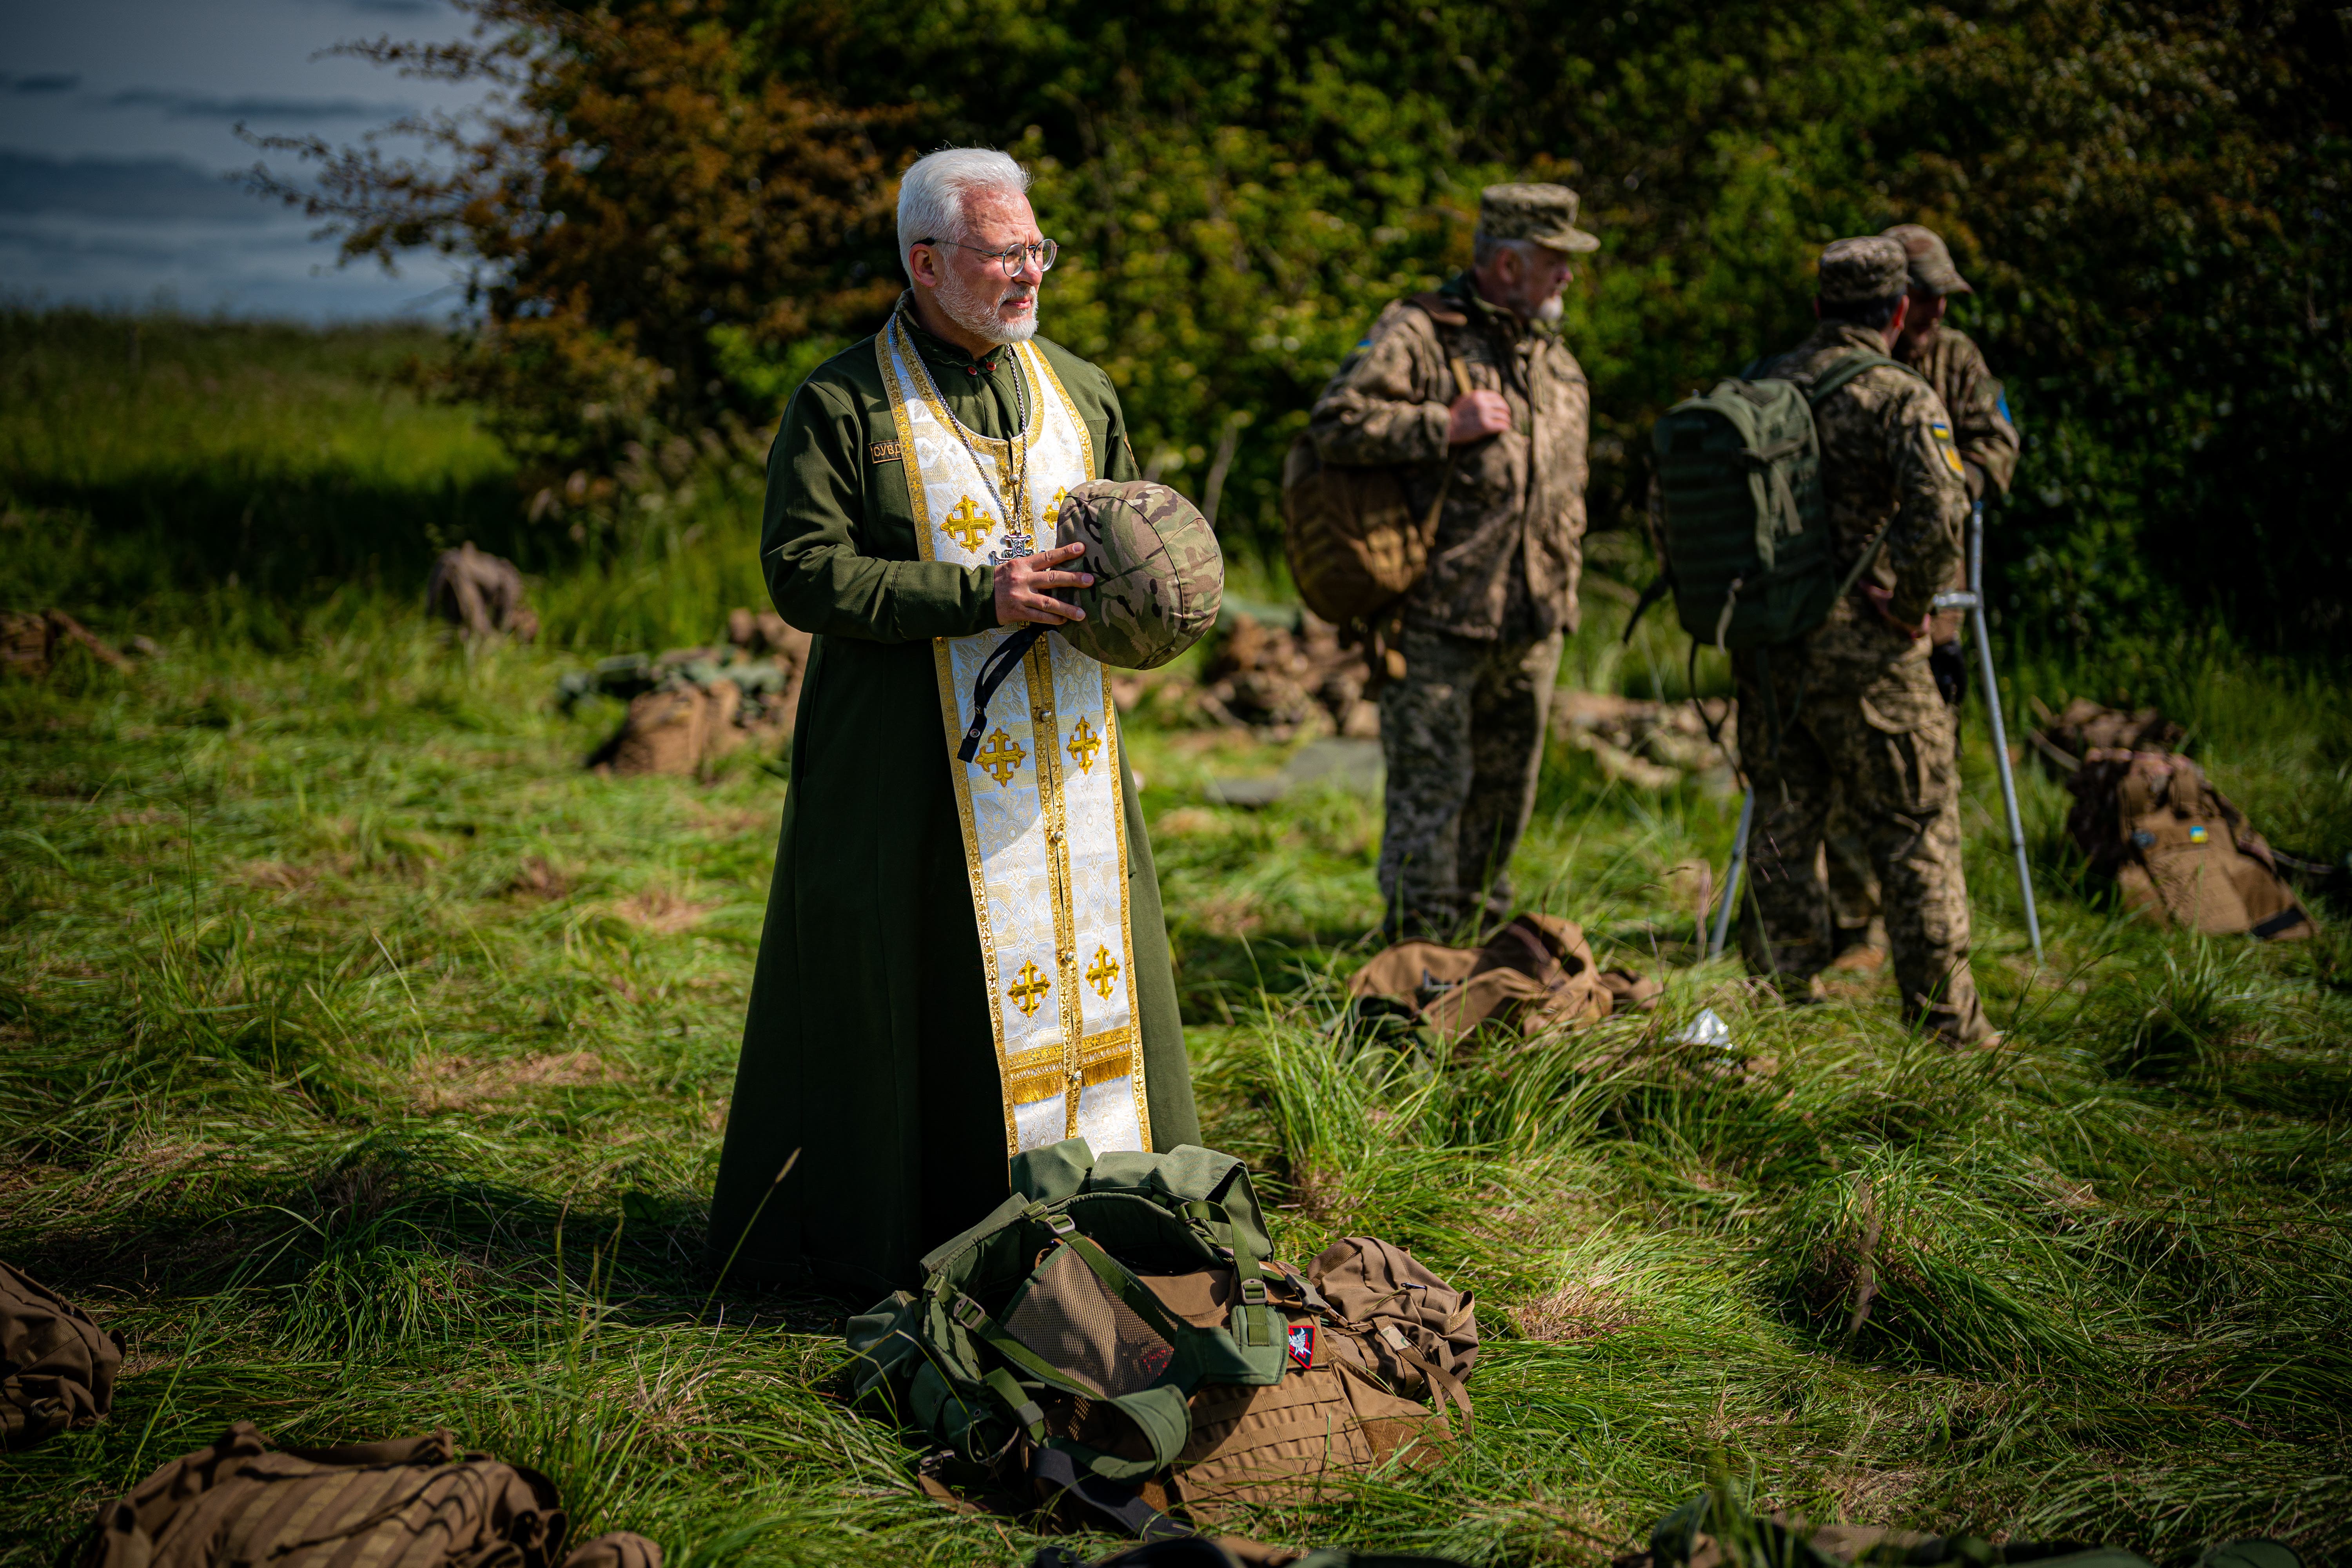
pixel 1054 1467
pixel 993 674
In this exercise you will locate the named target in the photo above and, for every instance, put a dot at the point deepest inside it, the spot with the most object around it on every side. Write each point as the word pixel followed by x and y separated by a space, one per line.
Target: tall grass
pixel 365 1060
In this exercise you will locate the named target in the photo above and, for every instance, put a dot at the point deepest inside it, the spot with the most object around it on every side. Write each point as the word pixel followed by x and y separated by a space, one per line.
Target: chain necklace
pixel 1017 541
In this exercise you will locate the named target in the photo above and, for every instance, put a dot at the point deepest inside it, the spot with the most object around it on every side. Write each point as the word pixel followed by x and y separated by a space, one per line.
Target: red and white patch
pixel 1302 1343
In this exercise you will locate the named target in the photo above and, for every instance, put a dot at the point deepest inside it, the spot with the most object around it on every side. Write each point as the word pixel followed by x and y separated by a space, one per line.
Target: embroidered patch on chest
pixel 1302 1343
pixel 2198 832
pixel 883 452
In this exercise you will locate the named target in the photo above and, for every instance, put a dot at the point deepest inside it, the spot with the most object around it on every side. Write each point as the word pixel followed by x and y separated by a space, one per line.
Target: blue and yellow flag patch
pixel 1942 431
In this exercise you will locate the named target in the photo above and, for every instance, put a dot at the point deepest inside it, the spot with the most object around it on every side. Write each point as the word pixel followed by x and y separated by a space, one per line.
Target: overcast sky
pixel 117 123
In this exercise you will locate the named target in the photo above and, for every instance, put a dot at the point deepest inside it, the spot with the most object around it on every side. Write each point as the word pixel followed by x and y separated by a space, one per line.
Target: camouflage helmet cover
pixel 1858 271
pixel 1158 575
pixel 1544 214
pixel 1930 259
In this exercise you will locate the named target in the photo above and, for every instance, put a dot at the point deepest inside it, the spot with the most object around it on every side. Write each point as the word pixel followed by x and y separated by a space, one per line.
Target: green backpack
pixel 1746 539
pixel 1041 1300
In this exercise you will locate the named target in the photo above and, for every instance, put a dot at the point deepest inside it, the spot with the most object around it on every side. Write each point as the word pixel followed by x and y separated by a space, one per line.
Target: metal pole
pixel 1999 731
pixel 1732 875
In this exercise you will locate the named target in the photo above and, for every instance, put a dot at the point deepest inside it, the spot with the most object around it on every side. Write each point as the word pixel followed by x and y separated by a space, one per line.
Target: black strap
pixel 993 674
pixel 1660 586
pixel 2286 918
pixel 1115 1502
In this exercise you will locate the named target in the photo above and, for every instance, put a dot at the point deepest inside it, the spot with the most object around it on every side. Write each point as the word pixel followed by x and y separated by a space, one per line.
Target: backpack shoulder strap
pixel 1846 369
pixel 1440 309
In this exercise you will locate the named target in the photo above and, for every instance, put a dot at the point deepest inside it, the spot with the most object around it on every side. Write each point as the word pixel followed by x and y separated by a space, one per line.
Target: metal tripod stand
pixel 1973 601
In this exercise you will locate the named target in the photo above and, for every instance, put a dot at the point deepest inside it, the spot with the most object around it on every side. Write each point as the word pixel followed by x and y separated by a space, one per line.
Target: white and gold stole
pixel 1044 832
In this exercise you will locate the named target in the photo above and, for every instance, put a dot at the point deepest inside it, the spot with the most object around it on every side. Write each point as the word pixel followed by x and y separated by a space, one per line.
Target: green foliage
pixel 2152 201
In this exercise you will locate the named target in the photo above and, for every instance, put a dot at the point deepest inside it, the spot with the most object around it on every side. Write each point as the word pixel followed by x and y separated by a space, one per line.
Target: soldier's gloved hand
pixel 1974 477
pixel 1883 601
pixel 1022 581
pixel 1477 415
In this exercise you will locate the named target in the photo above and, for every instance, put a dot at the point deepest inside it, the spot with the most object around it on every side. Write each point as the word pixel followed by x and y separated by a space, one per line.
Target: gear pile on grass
pixel 691 706
pixel 1281 678
pixel 1651 745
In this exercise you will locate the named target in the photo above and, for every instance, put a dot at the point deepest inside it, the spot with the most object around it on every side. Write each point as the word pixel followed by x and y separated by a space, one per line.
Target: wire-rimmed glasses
pixel 1011 256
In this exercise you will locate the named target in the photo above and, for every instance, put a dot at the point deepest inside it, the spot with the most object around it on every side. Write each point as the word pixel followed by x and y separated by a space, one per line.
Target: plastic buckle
pixel 968 1312
pixel 1060 1224
pixel 1254 1293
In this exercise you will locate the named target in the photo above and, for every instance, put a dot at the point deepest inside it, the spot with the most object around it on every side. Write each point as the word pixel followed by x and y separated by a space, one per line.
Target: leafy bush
pixel 687 204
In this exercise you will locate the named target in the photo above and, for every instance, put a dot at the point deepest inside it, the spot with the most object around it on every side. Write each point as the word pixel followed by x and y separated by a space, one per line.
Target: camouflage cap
pixel 1930 259
pixel 1544 214
pixel 1158 575
pixel 1857 270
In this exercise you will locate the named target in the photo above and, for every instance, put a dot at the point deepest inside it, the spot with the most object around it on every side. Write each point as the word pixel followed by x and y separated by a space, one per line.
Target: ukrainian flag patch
pixel 1942 432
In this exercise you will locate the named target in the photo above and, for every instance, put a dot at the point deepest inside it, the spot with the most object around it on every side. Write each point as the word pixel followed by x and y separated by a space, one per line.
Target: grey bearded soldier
pixel 1859 711
pixel 961 960
pixel 1472 389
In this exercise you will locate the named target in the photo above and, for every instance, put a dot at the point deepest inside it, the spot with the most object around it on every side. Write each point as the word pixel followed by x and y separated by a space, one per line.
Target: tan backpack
pixel 412 1502
pixel 1536 972
pixel 1403 1323
pixel 1353 540
pixel 2177 847
pixel 56 1366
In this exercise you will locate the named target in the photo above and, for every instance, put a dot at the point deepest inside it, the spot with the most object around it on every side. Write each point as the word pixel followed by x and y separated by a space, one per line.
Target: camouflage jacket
pixel 1956 368
pixel 1886 453
pixel 1507 556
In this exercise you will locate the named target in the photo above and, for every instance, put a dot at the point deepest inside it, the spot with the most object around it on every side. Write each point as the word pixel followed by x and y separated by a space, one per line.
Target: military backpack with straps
pixel 1744 534
pixel 1116 1332
pixel 1353 539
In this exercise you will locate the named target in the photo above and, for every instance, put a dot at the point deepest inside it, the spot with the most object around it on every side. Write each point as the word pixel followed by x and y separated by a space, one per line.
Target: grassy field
pixel 364 1060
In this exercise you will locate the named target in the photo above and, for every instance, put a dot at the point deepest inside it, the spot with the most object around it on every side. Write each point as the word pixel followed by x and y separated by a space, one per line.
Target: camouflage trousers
pixel 1845 855
pixel 1887 747
pixel 1463 736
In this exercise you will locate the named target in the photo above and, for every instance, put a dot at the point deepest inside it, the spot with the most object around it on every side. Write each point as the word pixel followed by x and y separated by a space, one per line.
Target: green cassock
pixel 868 1047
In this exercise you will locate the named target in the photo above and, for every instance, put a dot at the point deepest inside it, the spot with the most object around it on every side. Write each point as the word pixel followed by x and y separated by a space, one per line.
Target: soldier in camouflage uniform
pixel 1981 429
pixel 1988 443
pixel 1473 392
pixel 1858 707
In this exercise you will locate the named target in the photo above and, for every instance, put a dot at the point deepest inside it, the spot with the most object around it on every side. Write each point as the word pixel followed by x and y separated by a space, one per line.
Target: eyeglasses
pixel 1011 256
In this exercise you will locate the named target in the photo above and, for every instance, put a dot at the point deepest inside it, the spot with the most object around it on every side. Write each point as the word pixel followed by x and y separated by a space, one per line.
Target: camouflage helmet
pixel 1159 576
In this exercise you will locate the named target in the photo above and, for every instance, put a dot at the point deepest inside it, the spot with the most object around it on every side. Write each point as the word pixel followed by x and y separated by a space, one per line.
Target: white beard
pixel 975 312
pixel 1549 310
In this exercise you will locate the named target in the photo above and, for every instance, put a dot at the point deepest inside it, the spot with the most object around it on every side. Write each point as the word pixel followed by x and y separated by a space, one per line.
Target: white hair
pixel 1483 247
pixel 933 191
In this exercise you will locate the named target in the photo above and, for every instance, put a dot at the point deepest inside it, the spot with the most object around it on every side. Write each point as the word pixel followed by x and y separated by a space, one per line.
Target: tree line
pixel 678 208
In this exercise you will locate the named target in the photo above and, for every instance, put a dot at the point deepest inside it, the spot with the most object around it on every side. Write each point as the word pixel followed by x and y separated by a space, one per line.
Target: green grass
pixel 364 1060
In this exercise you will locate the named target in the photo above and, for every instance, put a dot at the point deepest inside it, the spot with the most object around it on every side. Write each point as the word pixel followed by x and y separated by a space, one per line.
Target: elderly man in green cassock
pixel 961 960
